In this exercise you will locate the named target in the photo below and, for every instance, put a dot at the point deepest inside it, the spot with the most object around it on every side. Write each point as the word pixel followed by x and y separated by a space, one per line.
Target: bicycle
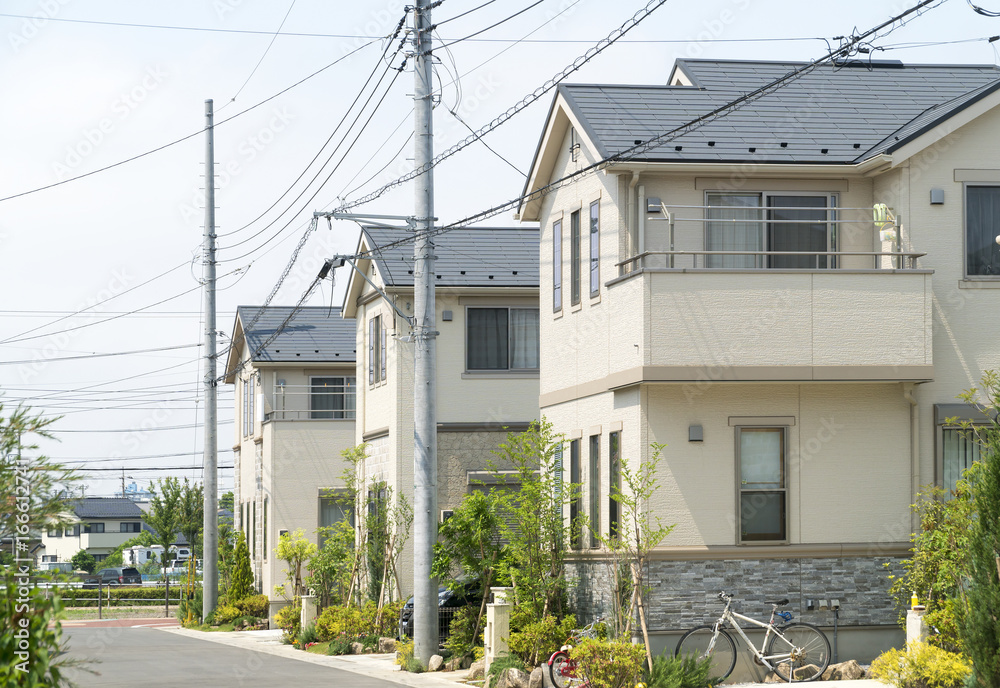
pixel 788 647
pixel 562 669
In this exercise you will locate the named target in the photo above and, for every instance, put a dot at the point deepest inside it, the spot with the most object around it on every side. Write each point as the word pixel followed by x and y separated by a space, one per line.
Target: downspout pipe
pixel 633 218
pixel 908 388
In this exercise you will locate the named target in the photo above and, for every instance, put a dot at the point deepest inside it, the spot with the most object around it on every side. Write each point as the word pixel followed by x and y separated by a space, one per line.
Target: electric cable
pixel 261 60
pixel 103 355
pixel 980 10
pixel 491 26
pixel 459 16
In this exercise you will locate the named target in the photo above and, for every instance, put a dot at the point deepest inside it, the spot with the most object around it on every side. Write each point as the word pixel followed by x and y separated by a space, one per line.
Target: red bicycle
pixel 562 668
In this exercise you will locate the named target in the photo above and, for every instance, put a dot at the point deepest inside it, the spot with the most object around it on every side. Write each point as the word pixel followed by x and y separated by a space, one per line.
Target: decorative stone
pixel 467 661
pixel 435 663
pixel 477 670
pixel 512 678
pixel 537 678
pixel 453 664
pixel 357 649
pixel 386 645
pixel 845 671
pixel 801 674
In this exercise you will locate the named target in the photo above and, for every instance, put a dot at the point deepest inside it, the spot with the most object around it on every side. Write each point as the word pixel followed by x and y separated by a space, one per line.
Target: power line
pixel 137 469
pixel 104 355
pixel 101 459
pixel 135 430
pixel 492 26
pixel 459 16
pixel 261 60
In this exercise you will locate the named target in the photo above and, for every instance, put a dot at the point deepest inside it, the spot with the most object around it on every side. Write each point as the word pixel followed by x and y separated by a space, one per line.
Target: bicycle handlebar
pixel 724 596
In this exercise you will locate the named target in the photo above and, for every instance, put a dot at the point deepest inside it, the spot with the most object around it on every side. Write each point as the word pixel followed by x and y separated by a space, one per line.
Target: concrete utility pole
pixel 210 577
pixel 425 610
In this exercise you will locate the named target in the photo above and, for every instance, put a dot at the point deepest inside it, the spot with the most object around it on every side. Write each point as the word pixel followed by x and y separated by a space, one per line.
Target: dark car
pixel 449 601
pixel 115 576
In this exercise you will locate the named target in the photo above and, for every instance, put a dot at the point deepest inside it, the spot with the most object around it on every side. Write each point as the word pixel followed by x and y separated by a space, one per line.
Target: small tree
pixel 226 501
pixel 979 626
pixel 164 517
pixel 294 549
pixel 84 561
pixel 330 568
pixel 192 517
pixel 241 585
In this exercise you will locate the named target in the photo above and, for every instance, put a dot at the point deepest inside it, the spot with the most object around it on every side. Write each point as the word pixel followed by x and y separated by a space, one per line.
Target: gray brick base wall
pixel 682 593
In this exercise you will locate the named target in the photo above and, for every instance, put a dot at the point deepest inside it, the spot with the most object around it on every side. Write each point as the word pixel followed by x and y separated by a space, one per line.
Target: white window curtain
pixel 737 226
pixel 960 450
pixel 524 338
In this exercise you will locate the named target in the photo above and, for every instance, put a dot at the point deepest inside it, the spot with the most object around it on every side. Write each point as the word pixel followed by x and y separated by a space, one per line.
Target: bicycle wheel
pixel 560 669
pixel 703 642
pixel 799 646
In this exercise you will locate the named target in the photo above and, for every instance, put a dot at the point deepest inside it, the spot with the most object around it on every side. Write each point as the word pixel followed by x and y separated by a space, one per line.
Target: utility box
pixel 497 626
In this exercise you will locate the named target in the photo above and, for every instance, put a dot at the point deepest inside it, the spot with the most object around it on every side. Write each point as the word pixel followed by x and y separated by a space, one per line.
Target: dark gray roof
pixel 105 507
pixel 466 257
pixel 834 114
pixel 316 334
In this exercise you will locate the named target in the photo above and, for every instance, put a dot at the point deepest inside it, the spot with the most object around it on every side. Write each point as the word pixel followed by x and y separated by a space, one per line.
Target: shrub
pixel 288 621
pixel 460 633
pixel 341 645
pixel 226 614
pixel 241 584
pixel 406 660
pixel 678 672
pixel 131 596
pixel 921 666
pixel 537 639
pixel 307 635
pixel 254 605
pixel 501 664
pixel 190 608
pixel 609 663
pixel 358 623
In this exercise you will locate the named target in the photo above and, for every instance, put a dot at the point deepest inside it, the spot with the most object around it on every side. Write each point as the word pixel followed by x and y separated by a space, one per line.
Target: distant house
pixel 295 409
pixel 789 298
pixel 103 523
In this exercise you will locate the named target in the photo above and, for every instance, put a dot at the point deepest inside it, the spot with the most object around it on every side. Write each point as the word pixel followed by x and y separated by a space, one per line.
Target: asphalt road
pixel 135 656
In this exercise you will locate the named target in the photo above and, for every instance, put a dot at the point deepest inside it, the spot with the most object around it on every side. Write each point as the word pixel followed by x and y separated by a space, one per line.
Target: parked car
pixel 115 576
pixel 449 601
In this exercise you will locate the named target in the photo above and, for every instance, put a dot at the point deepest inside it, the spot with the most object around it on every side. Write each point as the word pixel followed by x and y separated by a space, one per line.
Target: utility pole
pixel 425 609
pixel 210 578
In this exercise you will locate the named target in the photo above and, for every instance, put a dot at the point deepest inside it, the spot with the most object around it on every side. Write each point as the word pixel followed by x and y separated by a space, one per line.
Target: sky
pixel 110 263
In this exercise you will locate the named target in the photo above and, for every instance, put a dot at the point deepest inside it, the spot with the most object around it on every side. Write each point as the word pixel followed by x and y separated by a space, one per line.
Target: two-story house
pixel 739 294
pixel 295 414
pixel 103 524
pixel 487 356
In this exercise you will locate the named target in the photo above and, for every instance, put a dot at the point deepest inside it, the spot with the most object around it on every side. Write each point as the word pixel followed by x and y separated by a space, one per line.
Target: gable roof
pixel 105 507
pixel 316 334
pixel 833 114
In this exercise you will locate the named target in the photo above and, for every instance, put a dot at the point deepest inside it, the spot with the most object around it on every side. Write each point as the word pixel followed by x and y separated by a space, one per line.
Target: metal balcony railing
pixel 327 398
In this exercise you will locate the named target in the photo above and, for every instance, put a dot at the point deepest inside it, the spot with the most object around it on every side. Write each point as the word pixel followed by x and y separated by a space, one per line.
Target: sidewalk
pixel 384 666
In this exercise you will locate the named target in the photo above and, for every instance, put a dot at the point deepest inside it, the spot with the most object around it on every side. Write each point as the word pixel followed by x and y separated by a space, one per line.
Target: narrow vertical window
pixel 574 257
pixel 264 537
pixel 251 392
pixel 614 482
pixel 381 349
pixel 763 499
pixel 371 351
pixel 376 350
pixel 557 242
pixel 246 404
pixel 575 505
pixel 253 529
pixel 594 486
pixel 595 249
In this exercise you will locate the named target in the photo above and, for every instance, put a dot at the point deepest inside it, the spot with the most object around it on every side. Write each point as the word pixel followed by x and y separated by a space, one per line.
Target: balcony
pixel 326 398
pixel 733 292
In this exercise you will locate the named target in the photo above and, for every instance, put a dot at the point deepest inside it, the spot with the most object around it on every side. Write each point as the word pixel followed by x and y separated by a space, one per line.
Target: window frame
pixel 376 350
pixel 93 527
pixel 127 527
pixel 784 489
pixel 574 257
pixel 614 481
pixel 576 499
pixel 557 265
pixel 510 348
pixel 595 249
pixel 966 186
pixel 349 382
pixel 594 490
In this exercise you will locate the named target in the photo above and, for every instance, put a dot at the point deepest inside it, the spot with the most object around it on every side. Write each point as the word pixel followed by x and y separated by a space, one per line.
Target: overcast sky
pixel 88 84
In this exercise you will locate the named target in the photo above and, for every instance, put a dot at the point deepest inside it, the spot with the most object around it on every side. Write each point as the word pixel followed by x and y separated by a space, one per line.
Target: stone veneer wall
pixel 682 593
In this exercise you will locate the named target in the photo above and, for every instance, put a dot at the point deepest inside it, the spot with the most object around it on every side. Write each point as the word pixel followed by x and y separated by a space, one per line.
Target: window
pixel 982 224
pixel 100 557
pixel 55 532
pixel 794 223
pixel 614 481
pixel 575 504
pixel 960 449
pixel 594 485
pixel 129 528
pixel 502 339
pixel 574 257
pixel 557 241
pixel 333 509
pixel 264 529
pixel 332 397
pixel 595 249
pixel 74 531
pixel 246 406
pixel 251 392
pixel 93 527
pixel 253 530
pixel 376 350
pixel 762 491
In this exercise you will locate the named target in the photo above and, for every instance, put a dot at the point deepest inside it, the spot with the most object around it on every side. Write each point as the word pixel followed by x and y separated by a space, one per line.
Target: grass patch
pixel 319 648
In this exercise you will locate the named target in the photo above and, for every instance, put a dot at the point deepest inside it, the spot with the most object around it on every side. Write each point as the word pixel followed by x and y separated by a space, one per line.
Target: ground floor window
pixel 614 481
pixel 763 495
pixel 576 502
pixel 960 449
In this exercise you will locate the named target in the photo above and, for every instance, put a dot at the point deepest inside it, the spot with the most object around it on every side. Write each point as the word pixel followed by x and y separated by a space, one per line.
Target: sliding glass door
pixel 800 223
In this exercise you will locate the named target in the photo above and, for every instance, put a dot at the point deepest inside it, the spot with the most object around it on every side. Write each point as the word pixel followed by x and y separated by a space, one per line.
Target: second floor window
pixel 982 224
pixel 332 397
pixel 131 527
pixel 595 249
pixel 93 527
pixel 376 350
pixel 574 257
pixel 557 246
pixel 502 339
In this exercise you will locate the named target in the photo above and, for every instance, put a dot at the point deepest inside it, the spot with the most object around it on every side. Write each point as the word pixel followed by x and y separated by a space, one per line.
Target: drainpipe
pixel 640 218
pixel 914 448
pixel 631 215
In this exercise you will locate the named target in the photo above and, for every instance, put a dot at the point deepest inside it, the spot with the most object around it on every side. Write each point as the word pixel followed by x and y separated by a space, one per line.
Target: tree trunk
pixel 637 582
pixel 166 593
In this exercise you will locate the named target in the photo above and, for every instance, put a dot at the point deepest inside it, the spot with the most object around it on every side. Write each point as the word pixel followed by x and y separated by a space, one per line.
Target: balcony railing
pixel 763 260
pixel 318 401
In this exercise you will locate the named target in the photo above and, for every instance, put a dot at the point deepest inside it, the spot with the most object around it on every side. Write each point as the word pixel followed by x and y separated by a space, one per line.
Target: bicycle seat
pixel 778 603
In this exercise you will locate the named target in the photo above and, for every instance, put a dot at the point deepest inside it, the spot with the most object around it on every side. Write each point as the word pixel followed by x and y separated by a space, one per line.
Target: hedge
pixel 147 596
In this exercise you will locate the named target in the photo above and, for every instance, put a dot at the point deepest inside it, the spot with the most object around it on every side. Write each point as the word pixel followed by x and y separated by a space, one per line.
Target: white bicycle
pixel 787 648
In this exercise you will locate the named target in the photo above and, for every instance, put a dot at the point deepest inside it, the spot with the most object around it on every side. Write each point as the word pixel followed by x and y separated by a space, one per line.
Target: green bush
pixel 537 639
pixel 501 664
pixel 288 621
pixel 254 605
pixel 226 614
pixel 461 640
pixel 921 665
pixel 609 663
pixel 307 636
pixel 191 608
pixel 341 645
pixel 678 672
pixel 119 596
pixel 358 623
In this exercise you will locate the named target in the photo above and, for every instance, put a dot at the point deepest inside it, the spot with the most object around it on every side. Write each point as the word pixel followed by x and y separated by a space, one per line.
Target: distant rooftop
pixel 105 507
pixel 840 113
pixel 466 257
pixel 316 334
